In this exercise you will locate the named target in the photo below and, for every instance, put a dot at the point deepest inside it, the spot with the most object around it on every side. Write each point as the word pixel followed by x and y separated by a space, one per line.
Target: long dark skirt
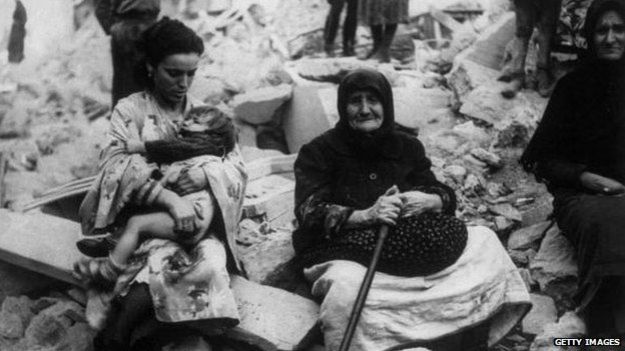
pixel 595 225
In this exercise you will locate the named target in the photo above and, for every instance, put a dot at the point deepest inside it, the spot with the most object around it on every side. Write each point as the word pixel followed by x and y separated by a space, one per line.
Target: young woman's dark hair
pixel 164 38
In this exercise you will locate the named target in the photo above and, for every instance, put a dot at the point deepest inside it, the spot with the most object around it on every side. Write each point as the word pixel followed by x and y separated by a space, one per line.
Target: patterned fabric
pixel 375 12
pixel 185 285
pixel 483 284
pixel 417 246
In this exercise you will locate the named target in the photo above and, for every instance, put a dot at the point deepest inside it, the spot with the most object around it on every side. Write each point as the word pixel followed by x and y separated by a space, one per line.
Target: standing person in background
pixel 543 15
pixel 125 21
pixel 383 16
pixel 18 33
pixel 349 26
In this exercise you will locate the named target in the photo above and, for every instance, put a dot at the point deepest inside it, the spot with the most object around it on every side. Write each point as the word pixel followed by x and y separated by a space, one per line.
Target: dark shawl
pixel 345 170
pixel 583 127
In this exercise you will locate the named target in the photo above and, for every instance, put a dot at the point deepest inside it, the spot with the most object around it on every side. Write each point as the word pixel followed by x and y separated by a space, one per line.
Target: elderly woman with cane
pixel 437 283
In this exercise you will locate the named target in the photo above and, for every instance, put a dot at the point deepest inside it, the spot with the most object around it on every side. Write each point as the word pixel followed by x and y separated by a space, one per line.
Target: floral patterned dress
pixel 186 284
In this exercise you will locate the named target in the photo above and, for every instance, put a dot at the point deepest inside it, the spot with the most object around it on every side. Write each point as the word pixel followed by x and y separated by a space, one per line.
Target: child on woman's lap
pixel 182 218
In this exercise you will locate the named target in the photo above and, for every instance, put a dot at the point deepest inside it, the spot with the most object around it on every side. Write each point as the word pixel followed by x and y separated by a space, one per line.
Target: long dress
pixel 185 285
pixel 376 12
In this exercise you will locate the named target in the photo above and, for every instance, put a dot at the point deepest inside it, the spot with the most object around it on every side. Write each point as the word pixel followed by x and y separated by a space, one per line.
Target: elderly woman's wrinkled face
pixel 365 112
pixel 609 37
pixel 173 76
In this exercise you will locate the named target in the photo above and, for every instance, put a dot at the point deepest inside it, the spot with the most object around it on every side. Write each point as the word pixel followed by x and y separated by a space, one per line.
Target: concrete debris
pixel 506 210
pixel 491 159
pixel 555 268
pixel 259 106
pixel 543 312
pixel 570 325
pixel 528 237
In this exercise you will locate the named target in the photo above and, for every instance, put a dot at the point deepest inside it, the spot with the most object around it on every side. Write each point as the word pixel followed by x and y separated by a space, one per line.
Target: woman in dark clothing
pixel 364 173
pixel 18 33
pixel 579 151
pixel 349 26
pixel 383 16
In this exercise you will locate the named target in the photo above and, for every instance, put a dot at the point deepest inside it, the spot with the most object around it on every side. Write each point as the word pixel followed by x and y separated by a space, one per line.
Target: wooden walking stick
pixel 364 290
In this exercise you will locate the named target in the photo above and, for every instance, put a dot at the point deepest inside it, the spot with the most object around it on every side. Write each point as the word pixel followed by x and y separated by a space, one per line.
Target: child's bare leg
pixel 155 225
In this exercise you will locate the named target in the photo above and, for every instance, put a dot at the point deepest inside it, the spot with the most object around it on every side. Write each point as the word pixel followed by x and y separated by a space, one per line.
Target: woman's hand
pixel 189 181
pixel 417 202
pixel 601 184
pixel 386 209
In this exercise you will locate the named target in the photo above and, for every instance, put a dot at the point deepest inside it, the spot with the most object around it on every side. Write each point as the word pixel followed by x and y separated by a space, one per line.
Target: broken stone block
pixel 525 238
pixel 309 115
pixel 260 260
pixel 11 325
pixel 554 267
pixel 15 122
pixel 506 210
pixel 543 312
pixel 486 103
pixel 570 325
pixel 45 332
pixel 488 157
pixel 20 306
pixel 455 172
pixel 259 106
pixel 465 77
pixel 538 212
pixel 527 278
pixel 522 258
pixel 489 47
pixel 274 315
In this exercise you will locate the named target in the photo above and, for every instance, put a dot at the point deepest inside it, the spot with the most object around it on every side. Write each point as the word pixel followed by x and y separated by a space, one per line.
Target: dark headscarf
pixel 585 116
pixel 378 143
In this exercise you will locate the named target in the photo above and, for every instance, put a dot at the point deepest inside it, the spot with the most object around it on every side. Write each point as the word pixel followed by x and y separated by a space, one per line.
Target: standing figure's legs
pixel 377 32
pixel 332 25
pixel 349 28
pixel 547 23
pixel 514 68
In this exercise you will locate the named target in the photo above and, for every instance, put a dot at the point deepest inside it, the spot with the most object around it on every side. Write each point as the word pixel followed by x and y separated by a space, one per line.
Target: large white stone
pixel 543 312
pixel 260 105
pixel 554 266
pixel 525 238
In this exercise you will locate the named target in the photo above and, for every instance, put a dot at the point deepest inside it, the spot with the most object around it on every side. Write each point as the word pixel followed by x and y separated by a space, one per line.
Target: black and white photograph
pixel 312 175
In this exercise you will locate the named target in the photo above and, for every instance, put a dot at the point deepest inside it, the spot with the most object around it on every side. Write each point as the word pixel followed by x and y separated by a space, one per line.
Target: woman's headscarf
pixel 381 141
pixel 599 84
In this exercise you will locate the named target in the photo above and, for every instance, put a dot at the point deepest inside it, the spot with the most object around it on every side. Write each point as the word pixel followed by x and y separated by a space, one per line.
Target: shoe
pixel 544 85
pixel 513 86
pixel 329 49
pixel 96 247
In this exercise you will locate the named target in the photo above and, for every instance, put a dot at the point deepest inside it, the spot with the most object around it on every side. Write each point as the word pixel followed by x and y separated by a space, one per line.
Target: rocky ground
pixel 52 126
